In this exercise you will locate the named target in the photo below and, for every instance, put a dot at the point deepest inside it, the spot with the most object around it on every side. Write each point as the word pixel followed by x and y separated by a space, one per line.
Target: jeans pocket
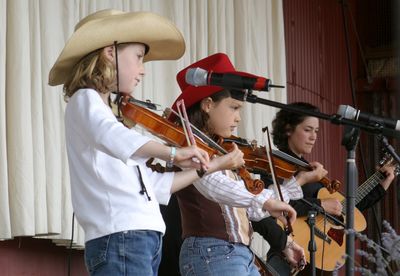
pixel 221 251
pixel 96 253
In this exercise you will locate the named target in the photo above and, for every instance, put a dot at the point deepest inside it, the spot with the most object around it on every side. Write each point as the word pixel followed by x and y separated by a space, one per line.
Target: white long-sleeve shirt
pixel 219 187
pixel 104 177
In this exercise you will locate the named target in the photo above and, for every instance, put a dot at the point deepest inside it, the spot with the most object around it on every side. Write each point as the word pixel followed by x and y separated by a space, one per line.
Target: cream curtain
pixel 34 180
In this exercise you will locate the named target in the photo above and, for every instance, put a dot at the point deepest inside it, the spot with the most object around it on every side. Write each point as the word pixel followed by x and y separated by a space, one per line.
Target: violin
pixel 174 135
pixel 286 166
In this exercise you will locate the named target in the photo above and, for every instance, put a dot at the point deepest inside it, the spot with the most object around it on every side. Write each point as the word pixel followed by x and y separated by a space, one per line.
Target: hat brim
pixel 164 40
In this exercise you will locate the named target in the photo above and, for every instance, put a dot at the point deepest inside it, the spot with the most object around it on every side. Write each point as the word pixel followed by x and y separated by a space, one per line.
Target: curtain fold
pixel 19 132
pixel 34 178
pixel 5 230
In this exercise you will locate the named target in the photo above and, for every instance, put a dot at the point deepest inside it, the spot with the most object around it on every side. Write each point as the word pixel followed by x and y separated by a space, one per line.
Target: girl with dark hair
pixel 285 123
pixel 216 210
pixel 296 135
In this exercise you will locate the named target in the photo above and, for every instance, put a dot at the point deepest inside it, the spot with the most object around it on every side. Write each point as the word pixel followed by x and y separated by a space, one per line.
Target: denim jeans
pixel 211 256
pixel 124 253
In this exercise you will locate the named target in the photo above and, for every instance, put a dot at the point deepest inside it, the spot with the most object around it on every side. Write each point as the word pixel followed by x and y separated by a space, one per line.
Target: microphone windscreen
pixel 347 112
pixel 196 76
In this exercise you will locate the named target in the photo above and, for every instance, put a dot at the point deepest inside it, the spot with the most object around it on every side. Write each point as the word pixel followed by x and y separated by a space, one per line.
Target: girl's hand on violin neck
pixel 191 157
pixel 315 175
pixel 276 208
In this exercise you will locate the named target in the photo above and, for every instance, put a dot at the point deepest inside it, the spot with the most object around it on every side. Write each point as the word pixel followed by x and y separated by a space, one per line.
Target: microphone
pixel 200 77
pixel 349 112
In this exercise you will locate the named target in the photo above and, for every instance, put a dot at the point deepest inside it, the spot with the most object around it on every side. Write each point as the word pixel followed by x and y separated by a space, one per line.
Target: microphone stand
pixel 312 214
pixel 312 246
pixel 321 211
pixel 349 141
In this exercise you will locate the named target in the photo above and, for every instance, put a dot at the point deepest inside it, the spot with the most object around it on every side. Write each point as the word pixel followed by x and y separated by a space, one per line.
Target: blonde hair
pixel 94 71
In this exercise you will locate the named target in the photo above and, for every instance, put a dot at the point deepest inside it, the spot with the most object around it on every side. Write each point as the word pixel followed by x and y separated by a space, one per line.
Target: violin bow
pixel 288 226
pixel 199 134
pixel 180 106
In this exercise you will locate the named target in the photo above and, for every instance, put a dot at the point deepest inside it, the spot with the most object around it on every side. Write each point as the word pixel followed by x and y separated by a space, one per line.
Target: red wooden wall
pixel 317 71
pixel 38 257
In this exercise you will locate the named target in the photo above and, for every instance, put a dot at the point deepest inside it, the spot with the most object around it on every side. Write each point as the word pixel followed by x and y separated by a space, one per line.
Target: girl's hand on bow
pixel 276 208
pixel 191 157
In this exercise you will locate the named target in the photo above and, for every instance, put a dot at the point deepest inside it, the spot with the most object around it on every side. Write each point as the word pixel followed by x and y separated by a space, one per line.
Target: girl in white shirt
pixel 114 195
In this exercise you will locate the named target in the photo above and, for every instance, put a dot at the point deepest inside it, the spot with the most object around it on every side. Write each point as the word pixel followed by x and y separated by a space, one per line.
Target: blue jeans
pixel 124 253
pixel 211 256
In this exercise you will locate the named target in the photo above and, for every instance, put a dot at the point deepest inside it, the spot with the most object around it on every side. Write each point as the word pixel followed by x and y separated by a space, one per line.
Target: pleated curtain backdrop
pixel 34 178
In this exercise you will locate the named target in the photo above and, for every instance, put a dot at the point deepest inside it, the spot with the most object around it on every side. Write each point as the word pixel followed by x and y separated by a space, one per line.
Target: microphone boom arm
pixel 335 118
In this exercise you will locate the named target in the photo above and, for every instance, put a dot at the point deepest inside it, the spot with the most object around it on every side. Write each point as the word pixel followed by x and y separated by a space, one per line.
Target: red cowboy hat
pixel 218 63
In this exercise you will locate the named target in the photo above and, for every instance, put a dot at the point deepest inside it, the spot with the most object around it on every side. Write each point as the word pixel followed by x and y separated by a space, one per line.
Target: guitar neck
pixel 366 187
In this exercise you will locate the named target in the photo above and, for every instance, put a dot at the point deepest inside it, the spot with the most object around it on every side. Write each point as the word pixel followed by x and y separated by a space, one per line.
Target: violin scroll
pixel 332 186
pixel 254 186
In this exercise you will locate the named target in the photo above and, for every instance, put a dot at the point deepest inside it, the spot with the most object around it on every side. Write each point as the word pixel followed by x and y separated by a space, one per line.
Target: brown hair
pixel 199 118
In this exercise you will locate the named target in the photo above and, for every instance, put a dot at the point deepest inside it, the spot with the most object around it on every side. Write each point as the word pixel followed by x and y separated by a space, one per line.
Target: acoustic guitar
pixel 327 232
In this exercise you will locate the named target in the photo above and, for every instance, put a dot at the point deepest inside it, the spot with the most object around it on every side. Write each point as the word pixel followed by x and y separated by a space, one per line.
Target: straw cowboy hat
pixel 102 28
pixel 217 63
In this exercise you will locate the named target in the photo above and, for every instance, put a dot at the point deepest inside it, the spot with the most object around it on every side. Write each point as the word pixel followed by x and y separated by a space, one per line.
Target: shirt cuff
pixel 256 211
pixel 292 190
pixel 163 192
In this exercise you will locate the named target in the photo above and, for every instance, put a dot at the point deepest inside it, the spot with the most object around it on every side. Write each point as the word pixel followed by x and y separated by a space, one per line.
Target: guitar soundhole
pixel 337 235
